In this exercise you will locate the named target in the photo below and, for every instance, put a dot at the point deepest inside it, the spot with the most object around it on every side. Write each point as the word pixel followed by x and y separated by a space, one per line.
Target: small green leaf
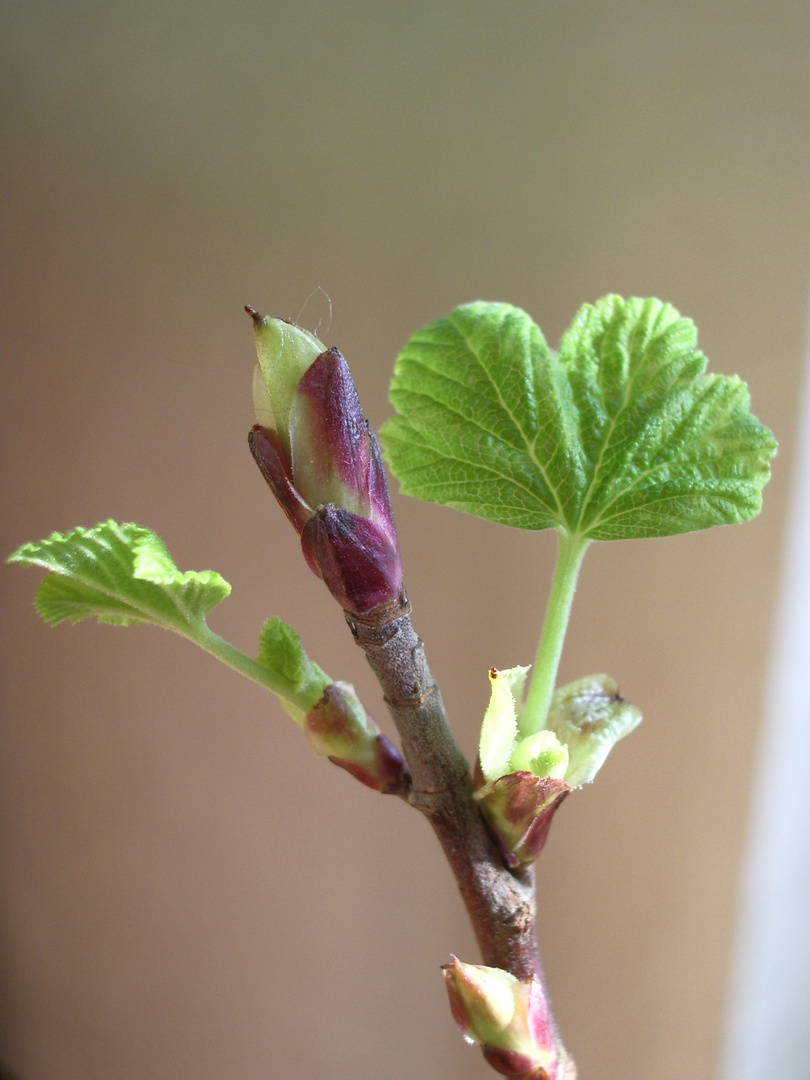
pixel 499 726
pixel 280 651
pixel 619 435
pixel 541 754
pixel 122 574
pixel 589 716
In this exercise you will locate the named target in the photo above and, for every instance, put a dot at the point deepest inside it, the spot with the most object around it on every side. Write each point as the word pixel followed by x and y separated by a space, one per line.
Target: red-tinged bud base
pixel 338 727
pixel 514 1065
pixel 518 808
pixel 388 772
pixel 357 558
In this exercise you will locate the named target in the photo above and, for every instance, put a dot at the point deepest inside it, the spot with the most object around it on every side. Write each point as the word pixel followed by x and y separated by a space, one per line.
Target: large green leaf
pixel 121 574
pixel 620 434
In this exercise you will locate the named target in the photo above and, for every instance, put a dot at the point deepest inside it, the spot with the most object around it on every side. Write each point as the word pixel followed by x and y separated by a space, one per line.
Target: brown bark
pixel 501 904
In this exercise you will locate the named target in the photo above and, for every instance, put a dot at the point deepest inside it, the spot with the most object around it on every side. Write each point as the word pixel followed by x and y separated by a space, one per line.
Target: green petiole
pixel 570 553
pixel 301 699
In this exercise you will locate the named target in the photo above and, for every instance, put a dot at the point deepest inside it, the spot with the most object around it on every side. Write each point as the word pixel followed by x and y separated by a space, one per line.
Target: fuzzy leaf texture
pixel 121 574
pixel 500 725
pixel 281 652
pixel 620 434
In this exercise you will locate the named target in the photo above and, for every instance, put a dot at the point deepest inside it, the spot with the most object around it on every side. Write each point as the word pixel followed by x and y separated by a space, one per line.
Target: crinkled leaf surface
pixel 281 651
pixel 121 574
pixel 620 434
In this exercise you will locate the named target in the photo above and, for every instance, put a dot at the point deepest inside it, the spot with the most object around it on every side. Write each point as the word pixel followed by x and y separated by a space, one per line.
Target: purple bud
pixel 338 727
pixel 355 558
pixel 324 466
pixel 329 448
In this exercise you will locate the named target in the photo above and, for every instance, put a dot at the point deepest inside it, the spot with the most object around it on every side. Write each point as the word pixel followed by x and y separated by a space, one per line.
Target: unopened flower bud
pixel 507 1016
pixel 323 463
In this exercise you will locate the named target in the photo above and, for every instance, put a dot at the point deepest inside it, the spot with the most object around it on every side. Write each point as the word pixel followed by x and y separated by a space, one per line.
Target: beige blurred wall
pixel 186 892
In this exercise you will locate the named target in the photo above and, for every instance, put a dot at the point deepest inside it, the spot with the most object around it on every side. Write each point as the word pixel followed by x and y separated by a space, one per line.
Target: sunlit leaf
pixel 121 574
pixel 620 434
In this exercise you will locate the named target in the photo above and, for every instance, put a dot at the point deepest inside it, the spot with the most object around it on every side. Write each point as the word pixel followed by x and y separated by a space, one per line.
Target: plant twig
pixel 500 904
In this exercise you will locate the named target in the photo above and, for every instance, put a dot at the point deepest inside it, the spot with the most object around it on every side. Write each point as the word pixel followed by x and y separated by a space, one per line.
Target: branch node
pixel 366 628
pixel 411 702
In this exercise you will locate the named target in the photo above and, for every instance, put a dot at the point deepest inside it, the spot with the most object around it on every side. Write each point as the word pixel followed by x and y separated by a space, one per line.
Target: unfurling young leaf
pixel 618 435
pixel 500 748
pixel 525 777
pixel 280 649
pixel 122 574
pixel 281 652
pixel 590 716
pixel 499 727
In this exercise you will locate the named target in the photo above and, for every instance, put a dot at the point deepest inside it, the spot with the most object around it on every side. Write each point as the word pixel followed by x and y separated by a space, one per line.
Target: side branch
pixel 500 904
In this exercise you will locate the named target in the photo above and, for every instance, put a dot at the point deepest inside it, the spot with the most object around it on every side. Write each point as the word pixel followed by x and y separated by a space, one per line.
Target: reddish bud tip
pixel 338 727
pixel 507 1016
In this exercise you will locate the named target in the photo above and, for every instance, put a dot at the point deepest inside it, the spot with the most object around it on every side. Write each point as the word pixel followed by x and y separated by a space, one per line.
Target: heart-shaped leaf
pixel 618 435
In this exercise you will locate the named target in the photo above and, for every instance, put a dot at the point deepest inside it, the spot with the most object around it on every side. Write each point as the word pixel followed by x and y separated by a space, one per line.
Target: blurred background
pixel 186 891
